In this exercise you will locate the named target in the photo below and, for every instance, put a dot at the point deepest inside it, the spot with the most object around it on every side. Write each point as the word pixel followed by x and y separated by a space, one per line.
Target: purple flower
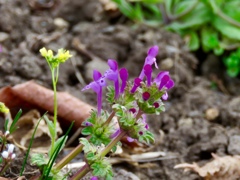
pixel 94 178
pixel 115 134
pixel 129 139
pixel 163 80
pixel 123 76
pixel 112 75
pixel 88 124
pixel 133 110
pixel 156 105
pixel 146 96
pixel 148 73
pixel 96 85
pixel 150 59
pixel 137 83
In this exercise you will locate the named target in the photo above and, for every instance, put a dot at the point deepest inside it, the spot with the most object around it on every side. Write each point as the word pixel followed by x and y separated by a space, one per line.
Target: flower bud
pixel 5 154
pixel 146 96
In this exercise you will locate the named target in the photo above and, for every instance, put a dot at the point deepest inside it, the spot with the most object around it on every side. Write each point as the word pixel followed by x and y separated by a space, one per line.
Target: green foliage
pixel 213 25
pixel 141 10
pixel 232 63
pixel 102 168
pixel 100 133
pixel 13 126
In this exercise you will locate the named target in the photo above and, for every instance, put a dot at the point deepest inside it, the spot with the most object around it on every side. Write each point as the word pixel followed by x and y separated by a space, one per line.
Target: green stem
pixel 78 149
pixel 69 157
pixel 108 148
pixel 85 169
pixel 54 83
pixel 4 168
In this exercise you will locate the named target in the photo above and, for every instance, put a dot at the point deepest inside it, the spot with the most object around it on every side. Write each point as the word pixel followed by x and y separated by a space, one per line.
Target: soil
pixel 202 114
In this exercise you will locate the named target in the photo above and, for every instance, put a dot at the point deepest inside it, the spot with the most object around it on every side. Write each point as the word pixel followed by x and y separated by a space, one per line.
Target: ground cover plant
pixel 210 25
pixel 200 123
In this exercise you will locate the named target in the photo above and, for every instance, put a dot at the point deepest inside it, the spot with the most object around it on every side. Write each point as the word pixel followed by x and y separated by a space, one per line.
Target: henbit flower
pixel 163 80
pixel 115 134
pixel 129 139
pixel 94 178
pixel 145 96
pixel 96 85
pixel 150 59
pixel 112 75
pixel 123 72
pixel 137 83
pixel 148 73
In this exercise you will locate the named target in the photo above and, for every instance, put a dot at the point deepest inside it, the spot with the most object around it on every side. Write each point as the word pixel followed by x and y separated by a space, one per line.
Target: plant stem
pixel 108 148
pixel 85 169
pixel 54 83
pixel 69 157
pixel 109 118
pixel 4 168
pixel 78 149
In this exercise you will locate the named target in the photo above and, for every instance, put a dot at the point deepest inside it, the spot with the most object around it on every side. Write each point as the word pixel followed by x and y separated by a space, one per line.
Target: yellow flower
pixel 63 55
pixel 47 54
pixel 3 108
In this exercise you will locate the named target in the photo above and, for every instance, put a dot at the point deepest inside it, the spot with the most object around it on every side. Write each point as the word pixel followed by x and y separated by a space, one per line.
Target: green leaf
pixel 13 126
pixel 193 42
pixel 50 127
pixel 110 94
pixel 87 146
pixel 209 39
pixel 87 131
pixel 60 142
pixel 198 16
pixel 39 159
pixel 226 29
pixel 6 125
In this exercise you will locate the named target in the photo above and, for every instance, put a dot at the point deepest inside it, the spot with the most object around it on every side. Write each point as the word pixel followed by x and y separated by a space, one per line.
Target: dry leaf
pixel 30 95
pixel 26 125
pixel 221 168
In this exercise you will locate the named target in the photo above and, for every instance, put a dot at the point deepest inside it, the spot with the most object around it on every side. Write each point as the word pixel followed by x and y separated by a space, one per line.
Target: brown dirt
pixel 93 37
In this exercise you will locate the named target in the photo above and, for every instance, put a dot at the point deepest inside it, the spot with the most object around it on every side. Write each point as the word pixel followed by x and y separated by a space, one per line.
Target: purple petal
pixel 148 72
pixel 146 126
pixel 115 134
pixel 129 139
pixel 102 82
pixel 146 96
pixel 156 105
pixel 94 178
pixel 169 84
pixel 123 72
pixel 96 75
pixel 137 83
pixel 99 101
pixel 93 85
pixel 113 64
pixel 133 110
pixel 88 124
pixel 123 76
pixel 164 81
pixel 165 96
pixel 153 51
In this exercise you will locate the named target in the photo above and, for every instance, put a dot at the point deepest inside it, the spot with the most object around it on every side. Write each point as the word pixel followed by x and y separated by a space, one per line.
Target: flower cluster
pixel 54 61
pixel 130 103
pixel 8 155
pixel 3 108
